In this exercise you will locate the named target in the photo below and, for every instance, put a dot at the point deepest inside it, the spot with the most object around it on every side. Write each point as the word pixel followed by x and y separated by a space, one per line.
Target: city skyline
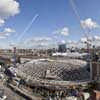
pixel 56 21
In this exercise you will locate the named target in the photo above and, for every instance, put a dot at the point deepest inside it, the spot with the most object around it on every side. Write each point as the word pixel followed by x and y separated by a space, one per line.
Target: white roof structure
pixel 66 69
pixel 73 55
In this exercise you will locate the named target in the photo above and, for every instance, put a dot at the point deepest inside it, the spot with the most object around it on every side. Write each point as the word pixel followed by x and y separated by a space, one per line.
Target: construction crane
pixel 86 32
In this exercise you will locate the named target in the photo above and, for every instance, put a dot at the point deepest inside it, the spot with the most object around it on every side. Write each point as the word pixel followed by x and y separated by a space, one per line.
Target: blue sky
pixel 54 15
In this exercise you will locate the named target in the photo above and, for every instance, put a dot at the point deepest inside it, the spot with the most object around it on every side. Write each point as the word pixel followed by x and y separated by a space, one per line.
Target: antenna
pixel 86 32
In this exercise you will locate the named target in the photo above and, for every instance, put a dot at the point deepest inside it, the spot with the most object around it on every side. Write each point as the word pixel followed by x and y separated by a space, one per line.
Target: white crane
pixel 86 31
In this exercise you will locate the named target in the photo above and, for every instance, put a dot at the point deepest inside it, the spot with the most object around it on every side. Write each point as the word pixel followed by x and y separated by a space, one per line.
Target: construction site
pixel 42 58
pixel 56 77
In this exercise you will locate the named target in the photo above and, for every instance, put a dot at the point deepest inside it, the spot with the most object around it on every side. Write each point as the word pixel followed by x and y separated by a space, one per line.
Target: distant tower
pixel 62 48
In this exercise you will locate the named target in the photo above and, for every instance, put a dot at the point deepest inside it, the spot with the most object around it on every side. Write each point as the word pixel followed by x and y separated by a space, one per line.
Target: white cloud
pixel 40 39
pixel 83 39
pixel 6 32
pixel 69 41
pixel 72 45
pixel 9 30
pixel 40 42
pixel 64 31
pixel 2 22
pixel 92 40
pixel 8 8
pixel 87 39
pixel 96 41
pixel 89 24
pixel 63 41
pixel 97 38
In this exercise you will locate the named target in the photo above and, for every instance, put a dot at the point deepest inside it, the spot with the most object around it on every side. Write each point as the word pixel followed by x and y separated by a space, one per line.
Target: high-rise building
pixel 62 48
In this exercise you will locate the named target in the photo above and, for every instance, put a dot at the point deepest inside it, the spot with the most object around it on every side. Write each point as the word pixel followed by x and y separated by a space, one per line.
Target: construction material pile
pixel 68 70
